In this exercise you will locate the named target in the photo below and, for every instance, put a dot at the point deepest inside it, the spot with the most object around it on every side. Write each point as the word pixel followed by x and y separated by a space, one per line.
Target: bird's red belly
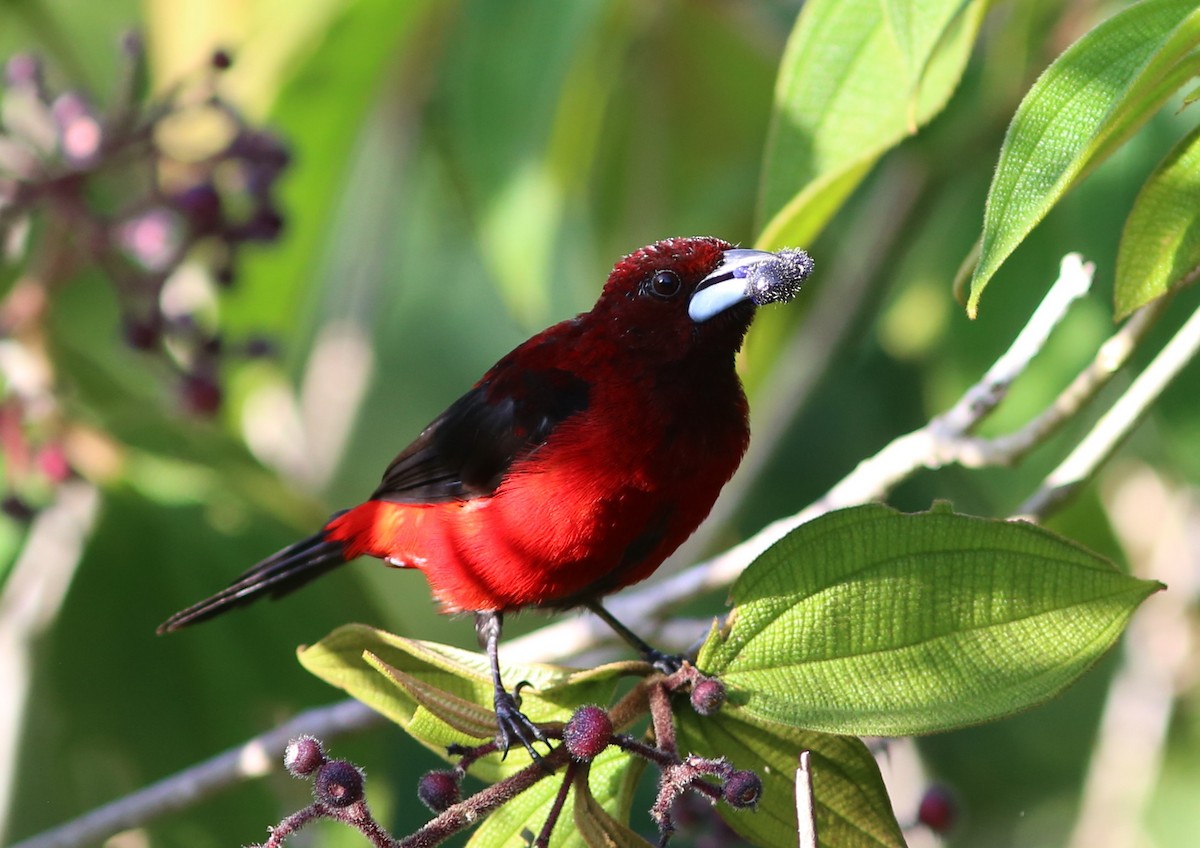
pixel 538 541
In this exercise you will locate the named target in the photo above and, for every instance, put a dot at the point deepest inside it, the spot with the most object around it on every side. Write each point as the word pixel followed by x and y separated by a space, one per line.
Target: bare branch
pixel 936 444
pixel 1111 357
pixel 1112 428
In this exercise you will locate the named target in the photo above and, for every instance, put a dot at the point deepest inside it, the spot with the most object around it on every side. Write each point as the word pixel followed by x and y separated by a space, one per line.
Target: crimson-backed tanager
pixel 577 463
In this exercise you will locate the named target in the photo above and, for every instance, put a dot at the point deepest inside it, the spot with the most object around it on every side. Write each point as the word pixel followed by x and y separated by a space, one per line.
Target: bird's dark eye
pixel 664 284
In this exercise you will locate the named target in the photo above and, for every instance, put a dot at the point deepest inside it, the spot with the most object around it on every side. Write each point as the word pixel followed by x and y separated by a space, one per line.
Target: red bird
pixel 575 466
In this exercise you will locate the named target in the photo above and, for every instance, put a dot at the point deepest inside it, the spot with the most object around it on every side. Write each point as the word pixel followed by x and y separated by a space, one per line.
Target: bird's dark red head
pixel 685 295
pixel 649 292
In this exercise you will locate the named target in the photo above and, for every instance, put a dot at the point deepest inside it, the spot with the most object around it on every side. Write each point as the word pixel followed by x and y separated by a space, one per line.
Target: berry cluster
pixel 337 794
pixel 591 730
pixel 160 194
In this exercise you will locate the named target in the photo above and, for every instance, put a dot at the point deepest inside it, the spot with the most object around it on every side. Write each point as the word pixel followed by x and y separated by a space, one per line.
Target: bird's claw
pixel 514 726
pixel 664 663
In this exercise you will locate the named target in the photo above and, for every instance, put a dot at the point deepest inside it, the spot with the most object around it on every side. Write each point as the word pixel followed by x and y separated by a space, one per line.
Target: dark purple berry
pixel 260 148
pixel 303 756
pixel 338 784
pixel 587 733
pixel 438 790
pixel 260 347
pixel 742 789
pixel 17 509
pixel 708 696
pixel 142 334
pixel 264 225
pixel 212 345
pixel 938 810
pixel 200 394
pixel 201 206
pixel 221 60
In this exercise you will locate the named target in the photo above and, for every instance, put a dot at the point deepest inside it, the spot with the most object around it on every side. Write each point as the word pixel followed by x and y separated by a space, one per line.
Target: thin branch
pixel 1112 428
pixel 935 444
pixel 1111 357
pixel 254 758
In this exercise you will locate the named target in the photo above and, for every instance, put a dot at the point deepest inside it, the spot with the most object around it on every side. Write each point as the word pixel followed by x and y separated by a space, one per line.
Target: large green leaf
pixel 853 83
pixel 870 621
pixel 1161 243
pixel 439 693
pixel 916 26
pixel 1086 104
pixel 525 98
pixel 339 82
pixel 852 806
pixel 598 827
pixel 527 812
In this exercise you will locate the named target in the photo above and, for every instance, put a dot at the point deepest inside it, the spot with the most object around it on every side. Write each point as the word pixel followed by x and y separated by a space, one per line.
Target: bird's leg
pixel 512 724
pixel 666 663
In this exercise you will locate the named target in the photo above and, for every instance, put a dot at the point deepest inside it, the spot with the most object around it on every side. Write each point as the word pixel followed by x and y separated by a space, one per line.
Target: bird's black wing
pixel 466 451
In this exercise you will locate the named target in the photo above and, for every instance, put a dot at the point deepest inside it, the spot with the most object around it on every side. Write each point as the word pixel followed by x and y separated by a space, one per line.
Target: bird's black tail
pixel 276 575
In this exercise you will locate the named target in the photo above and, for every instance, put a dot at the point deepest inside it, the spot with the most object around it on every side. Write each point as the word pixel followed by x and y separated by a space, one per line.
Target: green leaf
pixel 440 694
pixel 852 806
pixel 916 26
pixel 461 715
pixel 527 812
pixel 339 81
pixel 553 64
pixel 1082 108
pixel 853 83
pixel 1191 97
pixel 598 827
pixel 870 621
pixel 1160 246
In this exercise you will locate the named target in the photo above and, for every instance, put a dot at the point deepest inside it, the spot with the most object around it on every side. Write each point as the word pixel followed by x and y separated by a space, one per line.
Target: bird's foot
pixel 514 726
pixel 664 663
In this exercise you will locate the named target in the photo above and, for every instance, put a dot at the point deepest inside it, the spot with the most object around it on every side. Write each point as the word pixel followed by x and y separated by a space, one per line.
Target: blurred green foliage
pixel 466 172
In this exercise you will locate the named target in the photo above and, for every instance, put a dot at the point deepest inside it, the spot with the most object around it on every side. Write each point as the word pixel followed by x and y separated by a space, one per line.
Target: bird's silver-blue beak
pixel 727 285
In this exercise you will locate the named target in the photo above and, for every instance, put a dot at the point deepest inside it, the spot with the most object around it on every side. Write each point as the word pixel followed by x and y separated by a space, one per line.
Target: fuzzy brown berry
pixel 742 789
pixel 438 790
pixel 338 784
pixel 142 334
pixel 587 733
pixel 303 756
pixel 18 509
pixel 938 810
pixel 708 696
pixel 200 394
